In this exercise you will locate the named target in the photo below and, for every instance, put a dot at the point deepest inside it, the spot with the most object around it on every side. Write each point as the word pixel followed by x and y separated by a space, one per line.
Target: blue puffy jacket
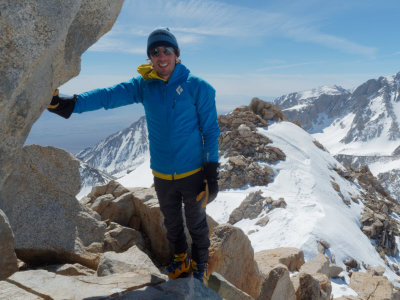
pixel 181 117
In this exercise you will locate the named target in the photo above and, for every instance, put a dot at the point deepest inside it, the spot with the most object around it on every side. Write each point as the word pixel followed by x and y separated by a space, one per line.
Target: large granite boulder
pixel 232 256
pixel 41 42
pixel 8 260
pixel 148 210
pixel 129 261
pixel 48 285
pixel 49 223
pixel 292 258
pixel 370 286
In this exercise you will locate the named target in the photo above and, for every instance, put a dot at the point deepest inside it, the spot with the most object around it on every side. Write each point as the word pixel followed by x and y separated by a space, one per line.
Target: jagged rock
pixel 129 261
pixel 369 286
pixel 117 209
pixel 292 258
pixel 263 221
pixel 227 244
pixel 245 148
pixel 253 205
pixel 377 270
pixel 334 270
pixel 42 42
pixel 49 223
pixel 118 238
pixel 351 263
pixel 276 283
pixel 8 259
pixel 181 288
pixel 53 286
pixel 267 110
pixel 250 208
pixel 225 289
pixel 70 270
pixel 319 264
pixel 148 209
pixel 311 287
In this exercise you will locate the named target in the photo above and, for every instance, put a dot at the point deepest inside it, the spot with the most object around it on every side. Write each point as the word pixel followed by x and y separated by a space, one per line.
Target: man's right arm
pixel 115 96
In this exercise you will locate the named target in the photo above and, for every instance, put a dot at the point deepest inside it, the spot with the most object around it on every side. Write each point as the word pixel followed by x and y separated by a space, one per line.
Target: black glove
pixel 211 175
pixel 62 106
pixel 210 189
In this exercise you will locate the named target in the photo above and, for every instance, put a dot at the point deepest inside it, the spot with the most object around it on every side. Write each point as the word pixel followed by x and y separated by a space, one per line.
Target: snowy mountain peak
pixel 121 152
pixel 322 90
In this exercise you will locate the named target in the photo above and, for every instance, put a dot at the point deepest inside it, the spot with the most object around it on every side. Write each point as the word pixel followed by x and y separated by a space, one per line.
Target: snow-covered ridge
pixel 121 152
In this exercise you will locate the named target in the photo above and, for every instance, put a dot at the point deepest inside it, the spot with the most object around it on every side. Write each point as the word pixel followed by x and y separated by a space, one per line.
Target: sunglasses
pixel 157 51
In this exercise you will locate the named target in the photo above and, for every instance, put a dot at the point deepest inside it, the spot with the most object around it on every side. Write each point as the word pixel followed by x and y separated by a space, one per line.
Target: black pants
pixel 171 194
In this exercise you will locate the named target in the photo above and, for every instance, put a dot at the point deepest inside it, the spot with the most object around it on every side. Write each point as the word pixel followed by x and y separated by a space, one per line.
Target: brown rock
pixel 319 264
pixel 8 259
pixel 148 209
pixel 276 284
pixel 371 287
pixel 228 243
pixel 292 258
pixel 120 239
pixel 311 287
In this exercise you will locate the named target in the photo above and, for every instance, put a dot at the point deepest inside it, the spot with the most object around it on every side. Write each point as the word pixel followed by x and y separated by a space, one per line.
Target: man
pixel 183 133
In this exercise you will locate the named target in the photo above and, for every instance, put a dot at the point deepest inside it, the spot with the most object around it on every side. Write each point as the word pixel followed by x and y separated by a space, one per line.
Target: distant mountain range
pixel 358 127
pixel 121 152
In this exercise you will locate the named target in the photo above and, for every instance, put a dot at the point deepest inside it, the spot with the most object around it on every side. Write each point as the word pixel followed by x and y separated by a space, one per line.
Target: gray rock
pixel 8 259
pixel 226 289
pixel 41 44
pixel 49 223
pixel 119 238
pixel 129 261
pixel 179 289
pixel 334 270
pixel 53 286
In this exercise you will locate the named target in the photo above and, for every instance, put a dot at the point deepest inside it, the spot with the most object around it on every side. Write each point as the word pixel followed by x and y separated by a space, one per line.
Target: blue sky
pixel 245 49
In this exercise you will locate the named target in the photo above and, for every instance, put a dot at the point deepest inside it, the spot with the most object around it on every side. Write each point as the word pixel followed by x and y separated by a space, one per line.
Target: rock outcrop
pixel 8 259
pixel 292 258
pixel 253 205
pixel 48 222
pixel 41 44
pixel 228 243
pixel 370 286
pixel 245 148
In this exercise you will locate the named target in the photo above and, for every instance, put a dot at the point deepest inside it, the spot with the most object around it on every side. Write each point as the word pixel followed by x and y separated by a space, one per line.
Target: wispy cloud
pixel 195 21
pixel 280 66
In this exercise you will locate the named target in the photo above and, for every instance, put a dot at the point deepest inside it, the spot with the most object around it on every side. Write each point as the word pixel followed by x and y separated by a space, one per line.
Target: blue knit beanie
pixel 162 37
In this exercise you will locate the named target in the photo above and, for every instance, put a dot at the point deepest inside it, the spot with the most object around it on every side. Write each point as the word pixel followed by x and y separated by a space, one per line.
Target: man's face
pixel 163 59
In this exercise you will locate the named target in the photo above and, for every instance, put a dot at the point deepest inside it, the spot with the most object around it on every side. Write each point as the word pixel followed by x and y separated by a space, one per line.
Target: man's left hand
pixel 210 191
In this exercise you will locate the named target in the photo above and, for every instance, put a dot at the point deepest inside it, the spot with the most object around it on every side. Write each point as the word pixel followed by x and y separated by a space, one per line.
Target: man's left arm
pixel 207 112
